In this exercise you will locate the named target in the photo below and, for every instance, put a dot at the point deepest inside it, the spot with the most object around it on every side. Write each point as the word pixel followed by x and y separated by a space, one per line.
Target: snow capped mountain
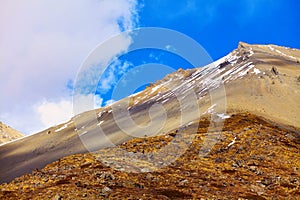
pixel 262 76
pixel 259 79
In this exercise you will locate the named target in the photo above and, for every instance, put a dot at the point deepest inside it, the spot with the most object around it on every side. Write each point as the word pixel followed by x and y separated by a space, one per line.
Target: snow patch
pixel 223 116
pixel 256 71
pixel 61 128
pixel 243 73
pixel 283 54
pixel 155 88
pixel 210 109
pixel 84 132
pixel 251 51
pixel 237 72
pixel 101 122
pixel 271 48
pixel 232 143
pixel 164 101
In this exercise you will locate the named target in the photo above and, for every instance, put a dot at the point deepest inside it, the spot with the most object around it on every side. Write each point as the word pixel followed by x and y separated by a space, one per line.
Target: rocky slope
pixel 260 80
pixel 8 134
pixel 254 159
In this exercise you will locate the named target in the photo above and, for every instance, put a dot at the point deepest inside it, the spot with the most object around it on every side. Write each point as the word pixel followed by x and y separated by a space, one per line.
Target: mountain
pixel 236 120
pixel 8 134
pixel 253 159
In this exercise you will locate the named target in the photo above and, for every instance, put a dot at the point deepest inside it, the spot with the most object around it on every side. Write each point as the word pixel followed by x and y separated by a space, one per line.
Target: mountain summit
pixel 233 115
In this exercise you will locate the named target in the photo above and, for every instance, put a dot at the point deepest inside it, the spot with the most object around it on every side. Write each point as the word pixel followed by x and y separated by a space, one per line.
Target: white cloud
pixel 97 101
pixel 53 113
pixel 42 44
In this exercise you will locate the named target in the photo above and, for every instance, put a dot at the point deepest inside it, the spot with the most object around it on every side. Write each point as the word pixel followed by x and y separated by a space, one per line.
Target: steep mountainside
pixel 261 80
pixel 8 134
pixel 254 159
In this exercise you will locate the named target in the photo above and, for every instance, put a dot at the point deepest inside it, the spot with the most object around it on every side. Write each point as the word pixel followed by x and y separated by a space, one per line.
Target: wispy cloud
pixel 115 71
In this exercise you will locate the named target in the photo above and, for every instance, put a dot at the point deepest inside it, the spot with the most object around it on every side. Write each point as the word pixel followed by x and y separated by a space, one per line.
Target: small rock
pixel 149 177
pixel 79 184
pixel 274 70
pixel 184 182
pixel 145 170
pixel 239 163
pixel 219 160
pixel 108 162
pixel 234 165
pixel 118 166
pixel 290 136
pixel 57 197
pixel 107 176
pixel 106 190
pixel 137 185
pixel 266 181
pixel 253 168
pixel 258 190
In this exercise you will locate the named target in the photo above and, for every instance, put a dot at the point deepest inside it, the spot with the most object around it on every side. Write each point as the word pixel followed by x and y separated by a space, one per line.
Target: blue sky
pixel 44 43
pixel 219 25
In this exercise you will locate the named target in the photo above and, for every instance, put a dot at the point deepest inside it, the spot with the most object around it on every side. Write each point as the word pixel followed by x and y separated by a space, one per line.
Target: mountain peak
pixel 269 51
pixel 243 45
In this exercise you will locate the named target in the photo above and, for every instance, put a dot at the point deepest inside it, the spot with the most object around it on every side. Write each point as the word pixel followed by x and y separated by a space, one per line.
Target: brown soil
pixel 263 163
